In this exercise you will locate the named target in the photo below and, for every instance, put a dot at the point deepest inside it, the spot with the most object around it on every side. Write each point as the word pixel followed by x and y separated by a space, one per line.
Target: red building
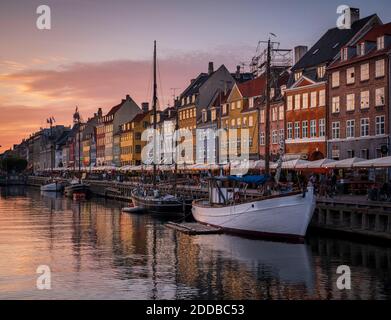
pixel 359 98
pixel 305 131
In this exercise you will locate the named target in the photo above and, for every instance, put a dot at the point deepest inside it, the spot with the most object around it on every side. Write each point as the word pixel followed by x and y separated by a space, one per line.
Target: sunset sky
pixel 98 51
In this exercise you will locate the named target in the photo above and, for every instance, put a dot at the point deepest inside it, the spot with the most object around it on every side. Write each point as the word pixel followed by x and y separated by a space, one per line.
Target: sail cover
pixel 256 179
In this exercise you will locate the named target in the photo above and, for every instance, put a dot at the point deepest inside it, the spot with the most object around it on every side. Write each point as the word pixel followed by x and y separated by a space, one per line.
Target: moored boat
pixel 55 186
pixel 285 215
pixel 153 201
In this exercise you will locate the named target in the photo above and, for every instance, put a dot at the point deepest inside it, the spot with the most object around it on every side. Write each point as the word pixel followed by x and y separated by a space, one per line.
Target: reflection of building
pixel 359 98
pixel 306 93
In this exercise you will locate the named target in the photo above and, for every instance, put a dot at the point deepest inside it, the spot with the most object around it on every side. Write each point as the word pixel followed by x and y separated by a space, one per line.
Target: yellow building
pixel 130 139
pixel 240 111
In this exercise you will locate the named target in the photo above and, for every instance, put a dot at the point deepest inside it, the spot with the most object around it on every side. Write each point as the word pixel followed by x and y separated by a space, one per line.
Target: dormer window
pixel 298 74
pixel 361 49
pixel 204 116
pixel 321 71
pixel 380 43
pixel 344 54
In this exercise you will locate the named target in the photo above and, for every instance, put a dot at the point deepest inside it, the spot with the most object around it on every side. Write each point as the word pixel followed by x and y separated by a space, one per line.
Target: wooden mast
pixel 154 103
pixel 267 111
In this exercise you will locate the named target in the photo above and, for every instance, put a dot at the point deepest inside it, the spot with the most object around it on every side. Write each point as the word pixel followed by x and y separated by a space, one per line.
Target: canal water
pixel 96 252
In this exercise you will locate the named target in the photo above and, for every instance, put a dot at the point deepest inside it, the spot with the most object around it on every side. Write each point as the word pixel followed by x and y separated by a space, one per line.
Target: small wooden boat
pixel 77 187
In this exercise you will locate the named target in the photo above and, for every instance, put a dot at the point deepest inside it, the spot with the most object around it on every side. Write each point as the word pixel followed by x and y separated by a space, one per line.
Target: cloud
pixel 39 93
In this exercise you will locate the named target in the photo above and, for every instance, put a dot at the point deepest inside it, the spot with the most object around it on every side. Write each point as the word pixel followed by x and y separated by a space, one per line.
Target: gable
pixel 235 94
pixel 303 82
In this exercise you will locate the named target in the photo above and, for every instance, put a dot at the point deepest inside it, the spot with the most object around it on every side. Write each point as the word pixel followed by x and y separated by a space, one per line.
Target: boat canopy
pixel 256 179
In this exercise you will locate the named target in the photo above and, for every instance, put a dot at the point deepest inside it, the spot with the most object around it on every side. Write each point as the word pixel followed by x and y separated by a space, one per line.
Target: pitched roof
pixel 329 45
pixel 114 109
pixel 371 36
pixel 253 87
pixel 377 31
pixel 195 85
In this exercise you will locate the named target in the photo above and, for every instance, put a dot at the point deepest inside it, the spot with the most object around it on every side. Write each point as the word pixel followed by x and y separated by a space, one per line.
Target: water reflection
pixel 95 251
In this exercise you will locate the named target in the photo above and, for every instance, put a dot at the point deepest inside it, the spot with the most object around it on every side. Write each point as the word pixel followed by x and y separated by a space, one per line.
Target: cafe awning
pixel 384 162
pixel 322 163
pixel 344 164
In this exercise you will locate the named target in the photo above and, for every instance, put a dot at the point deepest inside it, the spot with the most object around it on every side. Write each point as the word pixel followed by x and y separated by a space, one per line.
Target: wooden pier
pixel 193 228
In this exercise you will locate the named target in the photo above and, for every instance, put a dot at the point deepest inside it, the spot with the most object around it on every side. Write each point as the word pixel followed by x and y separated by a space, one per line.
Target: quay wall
pixel 349 216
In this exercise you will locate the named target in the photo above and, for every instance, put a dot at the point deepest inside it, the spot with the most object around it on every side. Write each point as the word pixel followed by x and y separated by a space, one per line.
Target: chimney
pixel 237 74
pixel 192 81
pixel 127 97
pixel 100 112
pixel 145 106
pixel 300 51
pixel 210 68
pixel 354 15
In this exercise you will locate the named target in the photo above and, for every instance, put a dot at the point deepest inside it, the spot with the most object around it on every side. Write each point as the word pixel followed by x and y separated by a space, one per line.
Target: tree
pixel 13 164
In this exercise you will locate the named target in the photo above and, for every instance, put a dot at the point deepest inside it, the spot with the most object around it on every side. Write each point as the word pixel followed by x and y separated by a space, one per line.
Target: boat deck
pixel 193 228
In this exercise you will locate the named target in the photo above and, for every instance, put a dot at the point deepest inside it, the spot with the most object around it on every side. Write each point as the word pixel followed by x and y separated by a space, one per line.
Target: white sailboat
pixel 283 215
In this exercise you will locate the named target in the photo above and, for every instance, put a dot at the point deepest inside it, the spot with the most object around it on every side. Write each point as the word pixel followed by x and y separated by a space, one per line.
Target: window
pixel 350 128
pixel 232 105
pixel 321 71
pixel 281 134
pixel 251 103
pixel 364 127
pixel 344 54
pixel 204 116
pixel 350 154
pixel 289 103
pixel 238 104
pixel 350 75
pixel 305 100
pixel 335 130
pixel 262 138
pixel 361 49
pixel 297 130
pixel 380 126
pixel 298 75
pixel 379 70
pixel 335 79
pixel 364 68
pixel 232 123
pixel 304 129
pixel 274 114
pixel 364 99
pixel 350 102
pixel 365 153
pixel 281 112
pixel 379 97
pixel 224 108
pixel 313 99
pixel 322 98
pixel 250 121
pixel 180 115
pixel 262 116
pixel 244 121
pixel 274 137
pixel 238 122
pixel 335 105
pixel 380 43
pixel 297 101
pixel 313 128
pixel 322 127
pixel 289 130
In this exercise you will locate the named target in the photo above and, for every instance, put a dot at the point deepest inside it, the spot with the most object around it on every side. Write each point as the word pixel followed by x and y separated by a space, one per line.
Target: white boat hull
pixel 283 217
pixel 52 187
